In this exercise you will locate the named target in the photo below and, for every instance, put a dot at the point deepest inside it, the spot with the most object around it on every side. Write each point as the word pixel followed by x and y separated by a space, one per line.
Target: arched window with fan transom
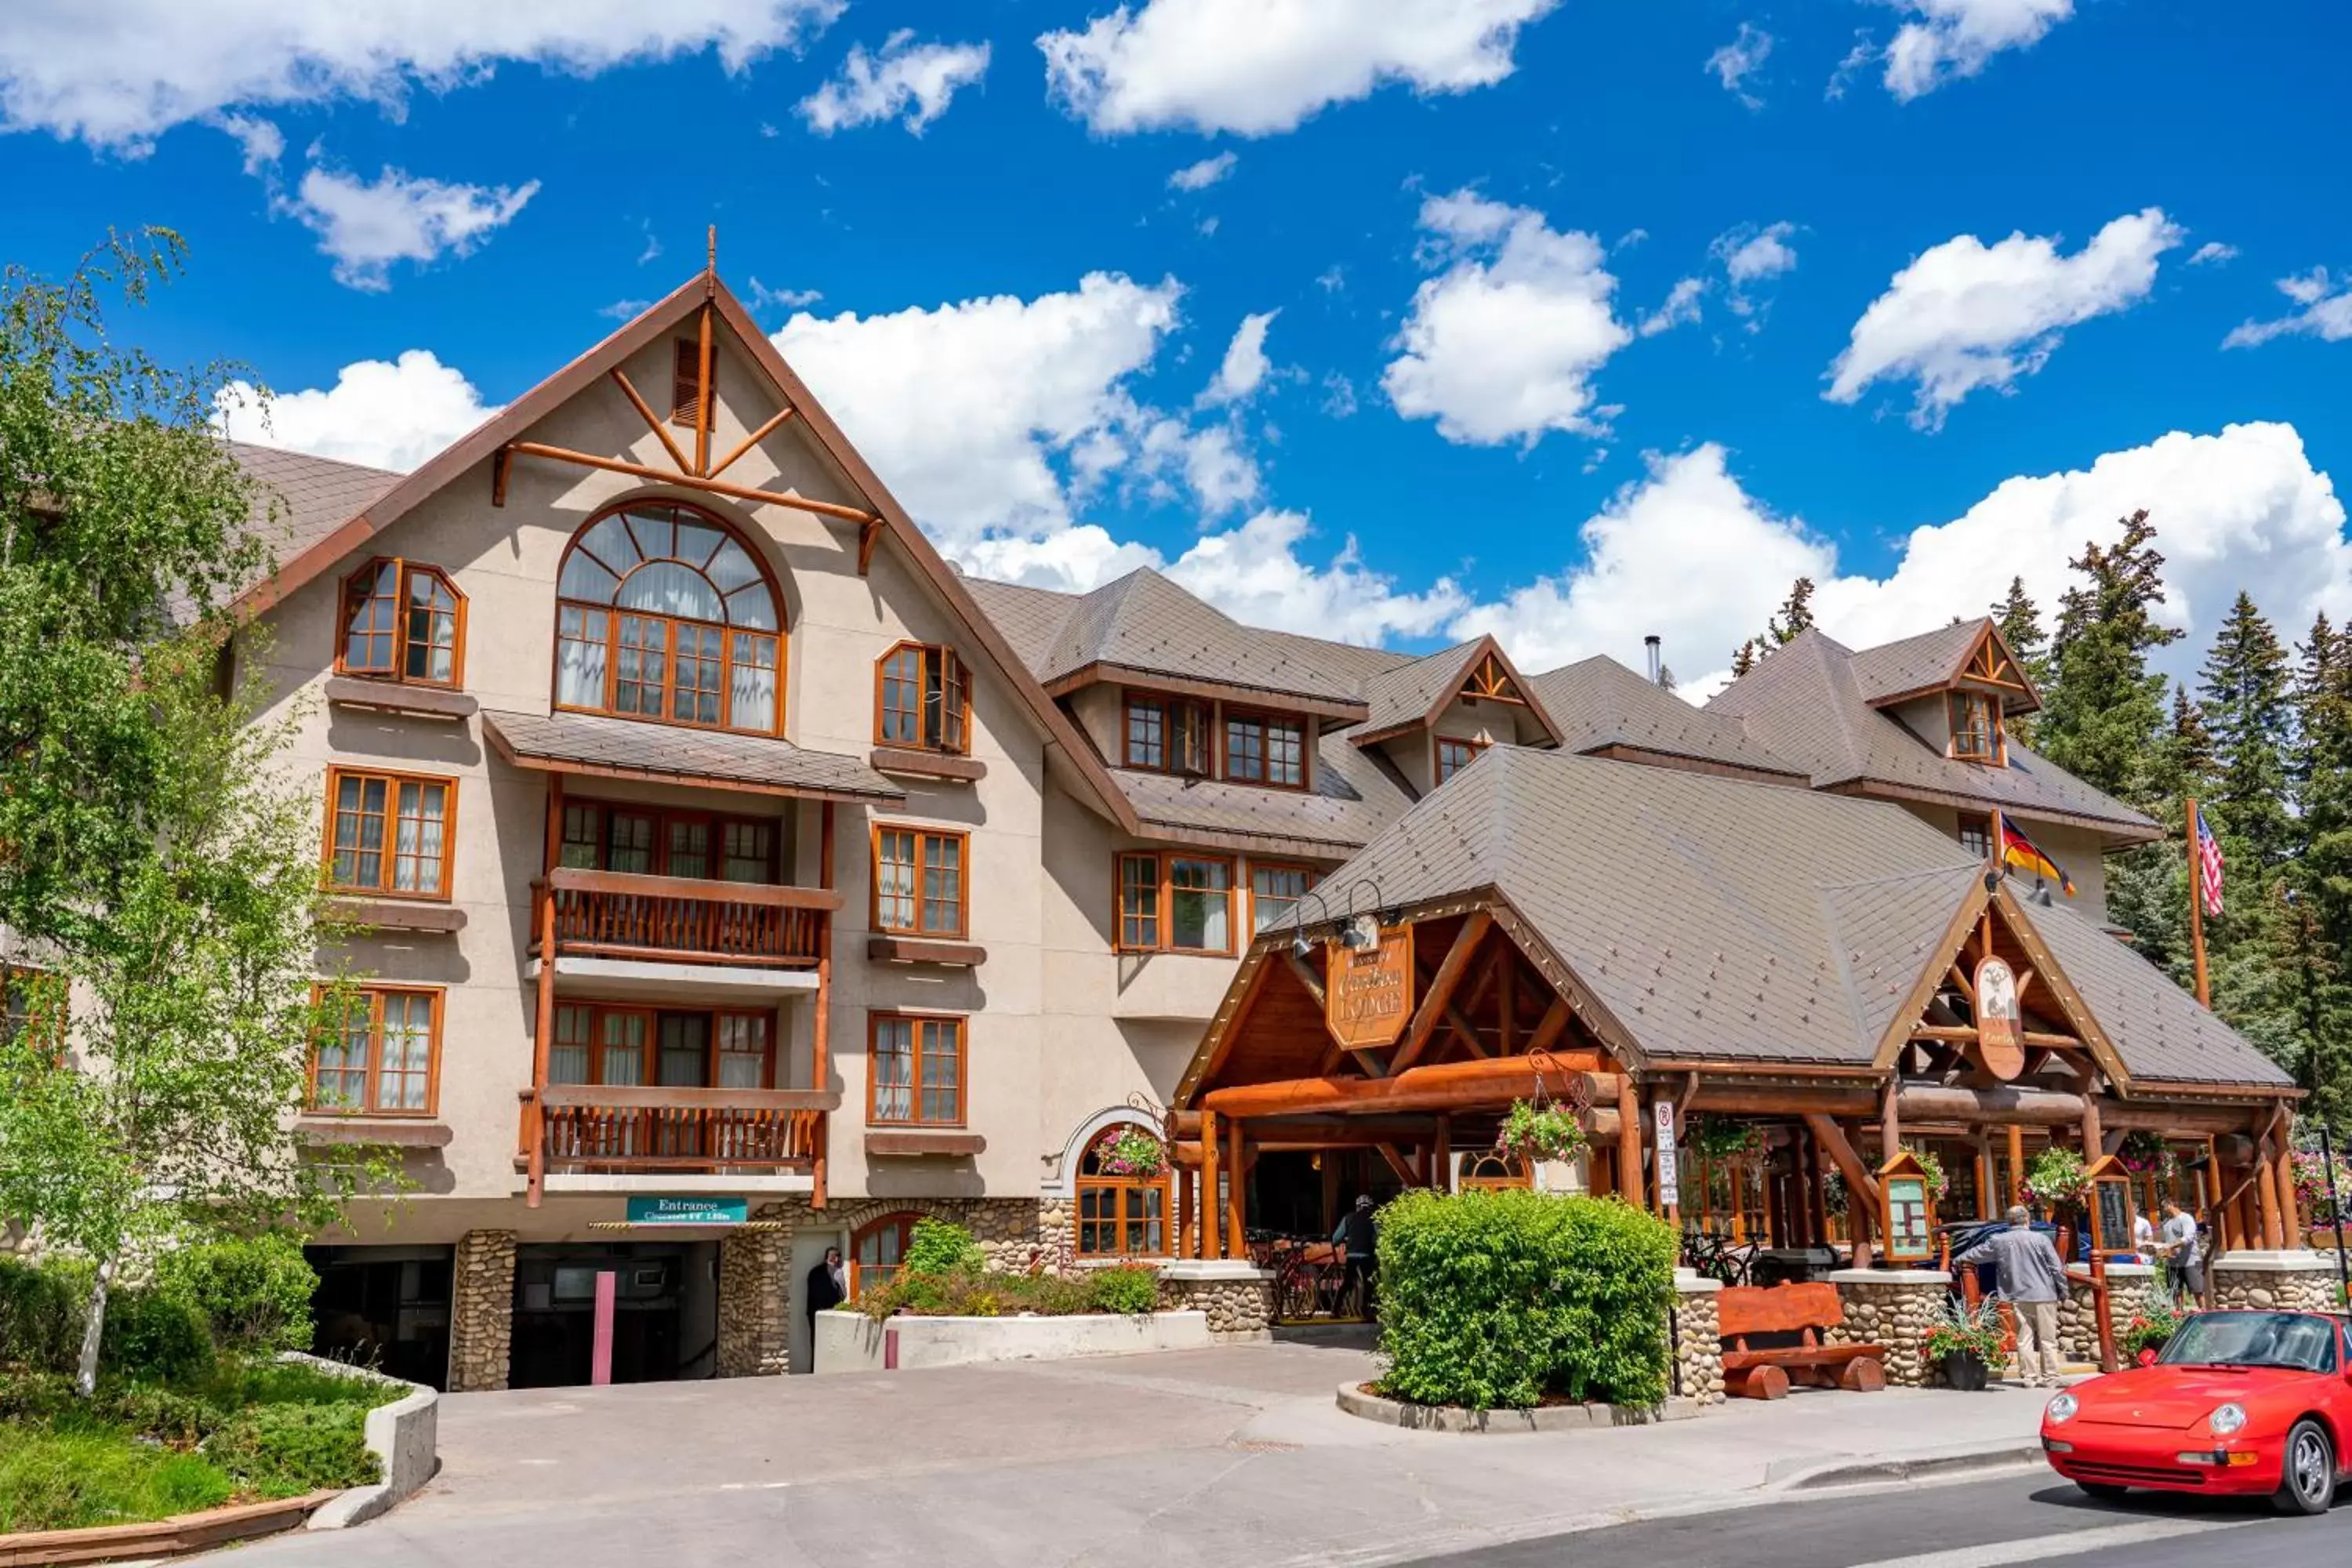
pixel 664 613
pixel 1122 1210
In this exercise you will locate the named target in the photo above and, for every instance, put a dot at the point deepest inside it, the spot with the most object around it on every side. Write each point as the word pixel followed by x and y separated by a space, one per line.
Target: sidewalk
pixel 1233 1454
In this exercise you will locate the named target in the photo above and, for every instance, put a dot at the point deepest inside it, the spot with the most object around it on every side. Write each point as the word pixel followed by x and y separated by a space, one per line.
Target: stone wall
pixel 481 1317
pixel 1698 1341
pixel 2290 1281
pixel 1237 1298
pixel 1893 1308
pixel 755 1304
pixel 2132 1288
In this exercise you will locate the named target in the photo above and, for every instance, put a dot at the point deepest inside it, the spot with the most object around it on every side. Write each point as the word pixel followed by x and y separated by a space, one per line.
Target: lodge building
pixel 726 856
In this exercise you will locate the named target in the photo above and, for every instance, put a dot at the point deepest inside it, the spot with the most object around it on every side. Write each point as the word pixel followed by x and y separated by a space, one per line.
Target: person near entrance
pixel 1358 1236
pixel 2184 1264
pixel 2034 1282
pixel 828 1286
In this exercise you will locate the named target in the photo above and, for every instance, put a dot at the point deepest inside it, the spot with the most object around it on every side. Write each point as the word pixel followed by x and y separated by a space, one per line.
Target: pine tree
pixel 1795 613
pixel 2104 708
pixel 1743 659
pixel 2247 707
pixel 2019 620
pixel 2182 758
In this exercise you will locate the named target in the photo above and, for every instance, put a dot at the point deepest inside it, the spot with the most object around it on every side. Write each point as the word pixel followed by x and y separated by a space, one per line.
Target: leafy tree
pixel 159 863
pixel 2105 706
pixel 2248 706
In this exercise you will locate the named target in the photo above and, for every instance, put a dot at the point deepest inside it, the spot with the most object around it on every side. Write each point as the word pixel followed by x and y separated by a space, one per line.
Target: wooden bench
pixel 1764 1372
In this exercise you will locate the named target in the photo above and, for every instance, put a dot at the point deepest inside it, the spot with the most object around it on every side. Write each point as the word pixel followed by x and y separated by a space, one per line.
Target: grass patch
pixel 61 1478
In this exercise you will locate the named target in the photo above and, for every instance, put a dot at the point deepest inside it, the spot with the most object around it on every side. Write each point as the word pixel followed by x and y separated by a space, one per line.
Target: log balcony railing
pixel 586 1128
pixel 685 920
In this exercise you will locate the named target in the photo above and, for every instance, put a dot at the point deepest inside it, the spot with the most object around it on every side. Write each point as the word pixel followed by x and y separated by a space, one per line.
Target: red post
pixel 600 1356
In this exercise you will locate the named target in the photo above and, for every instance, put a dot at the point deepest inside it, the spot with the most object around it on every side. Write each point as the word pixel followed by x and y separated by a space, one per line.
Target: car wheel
pixel 2102 1491
pixel 2309 1484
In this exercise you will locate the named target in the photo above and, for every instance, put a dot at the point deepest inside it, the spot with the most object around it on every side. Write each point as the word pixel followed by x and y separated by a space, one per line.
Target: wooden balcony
pixel 684 919
pixel 583 1129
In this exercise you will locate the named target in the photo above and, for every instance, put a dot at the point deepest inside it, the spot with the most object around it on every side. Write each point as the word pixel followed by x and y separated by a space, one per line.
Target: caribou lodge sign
pixel 1368 991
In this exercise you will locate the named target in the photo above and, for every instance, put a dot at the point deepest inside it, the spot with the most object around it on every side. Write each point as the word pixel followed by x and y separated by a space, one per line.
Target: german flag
pixel 2019 851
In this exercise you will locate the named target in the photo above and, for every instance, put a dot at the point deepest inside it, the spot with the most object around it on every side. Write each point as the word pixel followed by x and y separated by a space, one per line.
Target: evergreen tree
pixel 2019 620
pixel 1795 613
pixel 2183 760
pixel 1743 659
pixel 2104 708
pixel 2249 708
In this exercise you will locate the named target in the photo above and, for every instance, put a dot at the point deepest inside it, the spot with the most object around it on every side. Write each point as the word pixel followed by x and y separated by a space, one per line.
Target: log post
pixel 1440 1155
pixel 2290 1218
pixel 1212 1232
pixel 2093 1140
pixel 1236 1190
pixel 1890 1119
pixel 1817 1197
pixel 821 1017
pixel 2266 1196
pixel 2016 1165
pixel 1629 1141
pixel 1184 1179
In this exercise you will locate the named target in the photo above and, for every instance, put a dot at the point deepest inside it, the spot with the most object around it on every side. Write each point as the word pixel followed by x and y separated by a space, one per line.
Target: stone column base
pixel 2295 1282
pixel 1237 1296
pixel 1894 1308
pixel 754 1304
pixel 2132 1288
pixel 1699 1339
pixel 481 1313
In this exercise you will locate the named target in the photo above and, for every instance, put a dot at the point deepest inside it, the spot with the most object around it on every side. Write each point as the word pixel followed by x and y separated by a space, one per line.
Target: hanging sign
pixel 1368 993
pixel 1669 1178
pixel 2000 1035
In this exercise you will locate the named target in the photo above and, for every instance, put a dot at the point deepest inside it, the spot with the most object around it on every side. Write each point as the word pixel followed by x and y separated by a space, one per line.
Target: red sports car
pixel 2240 1402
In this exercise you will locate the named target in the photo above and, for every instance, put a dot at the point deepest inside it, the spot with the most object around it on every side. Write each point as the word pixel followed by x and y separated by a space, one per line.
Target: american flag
pixel 2209 865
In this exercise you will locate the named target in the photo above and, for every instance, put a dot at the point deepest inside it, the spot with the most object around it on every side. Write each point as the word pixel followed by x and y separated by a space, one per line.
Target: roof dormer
pixel 1433 716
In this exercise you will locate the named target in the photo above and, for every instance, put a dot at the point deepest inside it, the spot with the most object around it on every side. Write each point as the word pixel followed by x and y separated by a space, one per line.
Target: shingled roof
pixel 1598 703
pixel 312 496
pixel 628 748
pixel 1809 704
pixel 1144 622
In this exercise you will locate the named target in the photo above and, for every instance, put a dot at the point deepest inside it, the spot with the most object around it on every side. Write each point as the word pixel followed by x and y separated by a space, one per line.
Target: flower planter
pixel 1966 1371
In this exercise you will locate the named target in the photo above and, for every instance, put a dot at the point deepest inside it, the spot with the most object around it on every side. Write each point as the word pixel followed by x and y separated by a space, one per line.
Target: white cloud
pixel 1223 475
pixel 1503 344
pixel 766 298
pixel 1965 315
pixel 2326 313
pixel 387 415
pixel 1339 395
pixel 260 140
pixel 367 227
pixel 1954 39
pixel 1200 176
pixel 1245 366
pixel 2213 253
pixel 908 82
pixel 1742 58
pixel 1255 574
pixel 119 74
pixel 1750 254
pixel 1257 67
pixel 1681 309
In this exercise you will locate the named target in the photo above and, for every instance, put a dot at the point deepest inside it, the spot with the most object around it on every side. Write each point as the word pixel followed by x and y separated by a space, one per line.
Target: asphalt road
pixel 2021 1518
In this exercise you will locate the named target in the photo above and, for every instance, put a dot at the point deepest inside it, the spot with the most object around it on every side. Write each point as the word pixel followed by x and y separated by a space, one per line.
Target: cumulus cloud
pixel 2325 313
pixel 369 225
pixel 906 81
pixel 1245 366
pixel 1258 575
pixel 1947 40
pixel 120 74
pixel 1502 345
pixel 1681 308
pixel 1966 315
pixel 261 140
pixel 1742 58
pixel 1200 176
pixel 394 415
pixel 1258 66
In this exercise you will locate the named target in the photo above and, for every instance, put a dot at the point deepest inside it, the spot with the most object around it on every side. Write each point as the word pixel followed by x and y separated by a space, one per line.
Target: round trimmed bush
pixel 153 1338
pixel 254 1291
pixel 1499 1298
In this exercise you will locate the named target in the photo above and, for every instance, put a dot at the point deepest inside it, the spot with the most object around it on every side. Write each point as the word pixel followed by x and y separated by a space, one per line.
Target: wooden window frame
pixel 924 836
pixel 1255 867
pixel 389 853
pixel 962 1024
pixel 1178 715
pixel 1164 919
pixel 1439 745
pixel 359 587
pixel 598 1011
pixel 717 821
pixel 1997 745
pixel 1982 826
pixel 1266 720
pixel 607 706
pixel 372 1071
pixel 903 1221
pixel 1124 1189
pixel 952 735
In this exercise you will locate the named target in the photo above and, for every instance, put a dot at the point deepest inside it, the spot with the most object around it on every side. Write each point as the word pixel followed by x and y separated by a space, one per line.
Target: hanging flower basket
pixel 1721 1137
pixel 1932 1168
pixel 2144 1153
pixel 2311 1188
pixel 2057 1176
pixel 1131 1151
pixel 1540 1133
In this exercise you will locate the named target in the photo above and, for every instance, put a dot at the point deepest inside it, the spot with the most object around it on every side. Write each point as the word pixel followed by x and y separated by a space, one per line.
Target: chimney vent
pixel 1650 643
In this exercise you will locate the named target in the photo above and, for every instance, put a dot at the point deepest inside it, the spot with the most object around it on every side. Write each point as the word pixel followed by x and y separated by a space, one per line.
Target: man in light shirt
pixel 2184 1262
pixel 2034 1280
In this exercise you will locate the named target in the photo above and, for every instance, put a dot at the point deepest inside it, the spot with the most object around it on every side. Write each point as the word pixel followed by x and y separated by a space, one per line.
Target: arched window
pixel 921 700
pixel 662 613
pixel 404 622
pixel 877 1249
pixel 1120 1213
pixel 1496 1169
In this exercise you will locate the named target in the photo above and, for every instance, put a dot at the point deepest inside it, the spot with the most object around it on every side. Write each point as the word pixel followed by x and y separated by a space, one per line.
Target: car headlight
pixel 2229 1418
pixel 2060 1409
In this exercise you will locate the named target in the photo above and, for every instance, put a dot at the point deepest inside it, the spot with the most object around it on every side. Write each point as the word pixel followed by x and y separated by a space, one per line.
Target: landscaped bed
pixel 945 1275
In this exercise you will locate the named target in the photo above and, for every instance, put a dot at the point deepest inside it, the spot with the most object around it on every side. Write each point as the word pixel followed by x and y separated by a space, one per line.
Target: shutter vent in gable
pixel 686 383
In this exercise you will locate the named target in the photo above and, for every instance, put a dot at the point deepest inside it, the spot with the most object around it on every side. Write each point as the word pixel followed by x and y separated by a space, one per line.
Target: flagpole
pixel 2197 904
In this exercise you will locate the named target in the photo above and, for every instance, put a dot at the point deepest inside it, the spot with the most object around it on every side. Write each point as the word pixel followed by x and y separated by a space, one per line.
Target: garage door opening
pixel 633 1311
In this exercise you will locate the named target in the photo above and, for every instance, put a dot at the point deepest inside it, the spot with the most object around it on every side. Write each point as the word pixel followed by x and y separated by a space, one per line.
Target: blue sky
pixel 1467 217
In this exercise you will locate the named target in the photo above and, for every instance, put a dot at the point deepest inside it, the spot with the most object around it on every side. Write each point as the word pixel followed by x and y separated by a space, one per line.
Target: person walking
pixel 827 1286
pixel 2184 1262
pixel 2033 1282
pixel 1358 1236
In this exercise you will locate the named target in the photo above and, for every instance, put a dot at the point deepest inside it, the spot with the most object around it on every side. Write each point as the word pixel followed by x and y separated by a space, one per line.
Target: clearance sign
pixel 1367 994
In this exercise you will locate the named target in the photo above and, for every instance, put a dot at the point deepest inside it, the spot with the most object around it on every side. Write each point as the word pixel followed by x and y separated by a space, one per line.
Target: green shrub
pixel 253 1293
pixel 72 1479
pixel 285 1450
pixel 162 1414
pixel 1124 1290
pixel 153 1338
pixel 35 1396
pixel 295 1382
pixel 939 1247
pixel 1499 1299
pixel 971 1293
pixel 40 1317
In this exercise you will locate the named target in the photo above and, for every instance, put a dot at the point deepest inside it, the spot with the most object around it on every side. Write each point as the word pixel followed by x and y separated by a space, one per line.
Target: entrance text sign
pixel 1368 997
pixel 2000 1037
pixel 1669 1178
pixel 689 1210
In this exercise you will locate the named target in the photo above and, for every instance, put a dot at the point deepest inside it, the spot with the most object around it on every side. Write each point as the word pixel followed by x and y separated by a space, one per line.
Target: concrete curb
pixel 1544 1418
pixel 401 1434
pixel 1818 1475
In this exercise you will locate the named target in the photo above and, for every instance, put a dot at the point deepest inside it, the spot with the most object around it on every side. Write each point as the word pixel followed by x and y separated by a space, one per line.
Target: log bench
pixel 1790 1317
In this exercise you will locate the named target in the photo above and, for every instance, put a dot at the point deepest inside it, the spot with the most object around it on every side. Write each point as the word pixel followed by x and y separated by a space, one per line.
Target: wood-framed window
pixel 1119 1216
pixel 918 881
pixel 1274 890
pixel 921 699
pixel 663 612
pixel 686 381
pixel 382 1058
pixel 1264 749
pixel 1454 756
pixel 1976 727
pixel 626 1044
pixel 403 621
pixel 1166 735
pixel 391 835
pixel 1175 901
pixel 915 1069
pixel 877 1250
pixel 1975 836
pixel 654 841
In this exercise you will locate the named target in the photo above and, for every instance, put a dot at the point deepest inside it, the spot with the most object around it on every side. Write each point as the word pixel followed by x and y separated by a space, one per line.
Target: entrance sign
pixel 2000 1037
pixel 1669 1178
pixel 1368 995
pixel 689 1210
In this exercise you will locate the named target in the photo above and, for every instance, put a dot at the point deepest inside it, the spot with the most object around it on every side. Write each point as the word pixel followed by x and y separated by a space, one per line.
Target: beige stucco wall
pixel 2075 849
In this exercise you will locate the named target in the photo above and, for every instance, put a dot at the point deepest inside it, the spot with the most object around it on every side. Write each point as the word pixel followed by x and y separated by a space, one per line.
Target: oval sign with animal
pixel 2000 1032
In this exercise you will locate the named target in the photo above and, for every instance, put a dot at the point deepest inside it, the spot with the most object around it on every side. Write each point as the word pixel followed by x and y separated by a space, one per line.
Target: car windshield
pixel 2294 1339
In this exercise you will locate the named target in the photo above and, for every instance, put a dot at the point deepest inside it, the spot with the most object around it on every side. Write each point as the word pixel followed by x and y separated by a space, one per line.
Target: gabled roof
pixel 313 496
pixel 1933 661
pixel 1598 703
pixel 1411 696
pixel 336 544
pixel 1806 702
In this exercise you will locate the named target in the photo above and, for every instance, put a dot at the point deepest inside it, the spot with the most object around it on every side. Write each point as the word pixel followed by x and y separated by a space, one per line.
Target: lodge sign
pixel 2000 1037
pixel 1368 993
